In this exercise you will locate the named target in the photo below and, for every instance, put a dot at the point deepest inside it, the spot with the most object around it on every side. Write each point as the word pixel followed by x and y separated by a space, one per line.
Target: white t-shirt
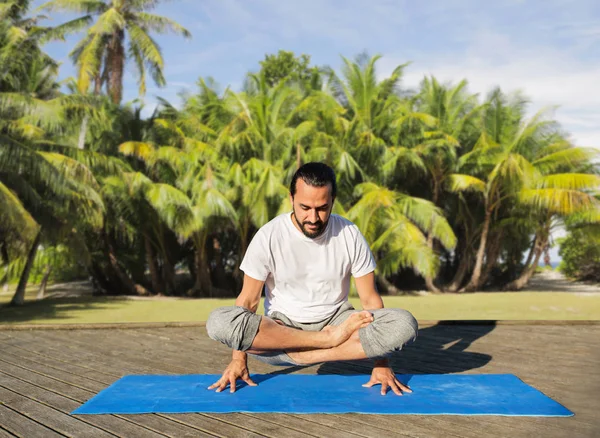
pixel 307 279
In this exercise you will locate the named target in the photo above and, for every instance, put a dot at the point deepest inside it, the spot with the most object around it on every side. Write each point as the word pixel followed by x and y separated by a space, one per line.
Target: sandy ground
pixel 554 281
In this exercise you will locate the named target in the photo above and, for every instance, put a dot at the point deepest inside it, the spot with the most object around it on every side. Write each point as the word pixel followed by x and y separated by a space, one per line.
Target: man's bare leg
pixel 350 350
pixel 273 336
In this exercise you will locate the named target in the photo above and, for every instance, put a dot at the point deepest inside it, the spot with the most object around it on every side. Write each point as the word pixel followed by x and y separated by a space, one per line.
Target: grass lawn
pixel 496 306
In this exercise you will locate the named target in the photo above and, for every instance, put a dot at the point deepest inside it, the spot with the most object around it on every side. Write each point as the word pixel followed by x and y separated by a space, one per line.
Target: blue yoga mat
pixel 433 394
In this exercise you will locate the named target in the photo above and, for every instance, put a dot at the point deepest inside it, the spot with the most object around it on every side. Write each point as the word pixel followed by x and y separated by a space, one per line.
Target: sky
pixel 547 49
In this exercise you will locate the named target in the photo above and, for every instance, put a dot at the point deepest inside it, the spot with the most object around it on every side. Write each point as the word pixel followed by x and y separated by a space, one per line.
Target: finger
pixel 222 386
pixel 249 381
pixel 217 383
pixel 395 388
pixel 402 386
pixel 384 388
pixel 370 383
pixel 232 384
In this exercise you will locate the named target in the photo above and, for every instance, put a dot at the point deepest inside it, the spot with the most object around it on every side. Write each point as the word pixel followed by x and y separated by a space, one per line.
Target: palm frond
pixel 465 183
pixel 570 181
pixel 159 24
pixel 557 201
pixel 14 218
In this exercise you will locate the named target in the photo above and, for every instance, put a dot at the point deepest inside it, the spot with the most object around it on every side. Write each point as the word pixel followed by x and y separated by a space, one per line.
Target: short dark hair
pixel 316 175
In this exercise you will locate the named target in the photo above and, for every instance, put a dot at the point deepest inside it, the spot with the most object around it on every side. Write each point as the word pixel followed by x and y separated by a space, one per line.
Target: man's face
pixel 312 208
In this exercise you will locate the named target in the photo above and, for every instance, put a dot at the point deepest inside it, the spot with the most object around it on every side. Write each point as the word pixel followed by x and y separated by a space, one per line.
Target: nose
pixel 314 216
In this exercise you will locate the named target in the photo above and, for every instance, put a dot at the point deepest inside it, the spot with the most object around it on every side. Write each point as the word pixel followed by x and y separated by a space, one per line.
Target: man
pixel 306 258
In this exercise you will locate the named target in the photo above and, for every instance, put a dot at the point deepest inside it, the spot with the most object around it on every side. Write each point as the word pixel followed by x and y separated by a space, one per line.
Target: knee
pixel 218 322
pixel 401 325
pixel 391 330
pixel 233 326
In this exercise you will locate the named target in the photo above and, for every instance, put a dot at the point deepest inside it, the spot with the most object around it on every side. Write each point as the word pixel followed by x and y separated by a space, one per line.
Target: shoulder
pixel 346 226
pixel 275 224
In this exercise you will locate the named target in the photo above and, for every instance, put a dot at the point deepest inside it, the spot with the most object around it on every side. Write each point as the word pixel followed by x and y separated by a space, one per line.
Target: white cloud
pixel 547 76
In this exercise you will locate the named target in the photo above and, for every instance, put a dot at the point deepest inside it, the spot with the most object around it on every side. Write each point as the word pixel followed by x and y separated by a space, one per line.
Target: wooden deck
pixel 45 374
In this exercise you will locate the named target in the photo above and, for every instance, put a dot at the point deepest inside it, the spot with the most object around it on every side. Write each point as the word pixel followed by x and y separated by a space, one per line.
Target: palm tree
pixel 438 143
pixel 519 161
pixel 23 65
pixel 120 33
pixel 393 224
pixel 196 202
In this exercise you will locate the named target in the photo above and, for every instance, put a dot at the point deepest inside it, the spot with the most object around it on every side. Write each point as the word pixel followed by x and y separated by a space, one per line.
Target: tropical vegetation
pixel 455 192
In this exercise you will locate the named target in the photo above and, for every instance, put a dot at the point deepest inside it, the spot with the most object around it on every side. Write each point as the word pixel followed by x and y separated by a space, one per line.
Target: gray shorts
pixel 390 330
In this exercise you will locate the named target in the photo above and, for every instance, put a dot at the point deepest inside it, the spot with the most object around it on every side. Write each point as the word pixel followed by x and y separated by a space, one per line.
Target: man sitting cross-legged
pixel 306 258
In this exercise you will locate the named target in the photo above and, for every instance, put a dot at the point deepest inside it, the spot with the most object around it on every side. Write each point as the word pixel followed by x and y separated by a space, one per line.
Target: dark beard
pixel 311 234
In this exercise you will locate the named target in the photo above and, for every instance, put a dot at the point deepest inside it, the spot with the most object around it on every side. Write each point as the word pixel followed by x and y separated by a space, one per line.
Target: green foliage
pixel 286 65
pixel 443 184
pixel 63 263
pixel 102 53
pixel 580 252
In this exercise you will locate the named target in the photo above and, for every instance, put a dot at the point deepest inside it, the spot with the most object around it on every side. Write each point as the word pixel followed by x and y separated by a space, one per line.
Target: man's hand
pixel 385 376
pixel 237 369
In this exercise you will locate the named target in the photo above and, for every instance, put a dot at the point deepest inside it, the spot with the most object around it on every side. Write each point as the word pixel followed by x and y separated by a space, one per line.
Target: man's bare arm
pixel 367 292
pixel 249 298
pixel 382 372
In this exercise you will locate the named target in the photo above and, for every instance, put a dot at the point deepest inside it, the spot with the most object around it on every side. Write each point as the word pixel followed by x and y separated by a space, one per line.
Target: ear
pixel 292 201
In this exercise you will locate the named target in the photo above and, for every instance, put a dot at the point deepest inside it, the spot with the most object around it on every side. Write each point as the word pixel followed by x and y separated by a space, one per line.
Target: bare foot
pixel 341 333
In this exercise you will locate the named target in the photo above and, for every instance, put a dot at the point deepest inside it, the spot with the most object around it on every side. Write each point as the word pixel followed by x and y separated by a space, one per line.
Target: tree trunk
pixel 491 258
pixel 157 286
pixel 117 61
pixel 19 298
pixel 5 261
pixel 169 276
pixel 531 252
pixel 100 283
pixel 238 276
pixel 429 280
pixel 131 287
pixel 202 287
pixel 219 276
pixel 83 131
pixel 475 281
pixel 42 290
pixel 461 272
pixel 526 275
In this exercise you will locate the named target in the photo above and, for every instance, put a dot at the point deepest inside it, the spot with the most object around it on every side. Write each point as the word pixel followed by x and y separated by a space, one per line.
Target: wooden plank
pixel 22 426
pixel 351 426
pixel 308 425
pixel 430 424
pixel 458 420
pixel 44 363
pixel 50 417
pixel 112 424
pixel 571 381
pixel 39 387
pixel 302 424
pixel 6 434
pixel 212 425
pixel 167 426
pixel 258 426
pixel 187 421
